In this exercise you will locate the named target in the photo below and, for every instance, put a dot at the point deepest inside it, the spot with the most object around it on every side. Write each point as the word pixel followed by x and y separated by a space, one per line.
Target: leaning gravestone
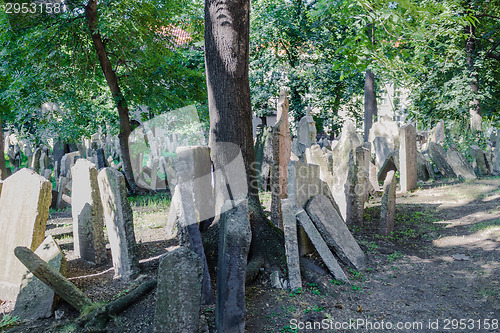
pixel 437 133
pixel 335 232
pixel 381 150
pixel 291 243
pixel 438 156
pixel 391 163
pixel 119 222
pixel 388 128
pixel 407 158
pixel 178 294
pixel 67 162
pixel 282 148
pixel 234 243
pixel 36 299
pixel 460 165
pixel 22 223
pixel 315 155
pixel 321 246
pixel 86 208
pixel 422 168
pixel 388 208
pixel 306 133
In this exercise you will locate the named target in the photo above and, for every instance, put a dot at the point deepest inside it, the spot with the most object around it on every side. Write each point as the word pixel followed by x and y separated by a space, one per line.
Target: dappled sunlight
pixel 487 239
pixel 471 219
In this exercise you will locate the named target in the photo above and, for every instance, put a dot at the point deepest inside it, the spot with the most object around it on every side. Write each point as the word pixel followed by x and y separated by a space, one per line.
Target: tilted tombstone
pixel 388 205
pixel 36 299
pixel 22 223
pixel 334 231
pixel 306 133
pixel 381 150
pixel 459 164
pixel 282 148
pixel 314 155
pixel 407 158
pixel 422 169
pixel 391 163
pixel 178 293
pixel 438 156
pixel 291 243
pixel 86 208
pixel 437 133
pixel 119 223
pixel 67 161
pixel 385 127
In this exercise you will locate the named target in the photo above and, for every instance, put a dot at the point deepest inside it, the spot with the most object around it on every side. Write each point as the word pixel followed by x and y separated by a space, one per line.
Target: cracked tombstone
pixel 22 223
pixel 86 208
pixel 119 223
pixel 178 295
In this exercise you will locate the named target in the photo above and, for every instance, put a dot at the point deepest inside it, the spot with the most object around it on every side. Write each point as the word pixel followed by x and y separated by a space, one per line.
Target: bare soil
pixel 438 272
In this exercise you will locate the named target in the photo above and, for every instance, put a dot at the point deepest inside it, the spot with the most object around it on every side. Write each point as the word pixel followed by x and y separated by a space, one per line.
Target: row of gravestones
pixel 96 197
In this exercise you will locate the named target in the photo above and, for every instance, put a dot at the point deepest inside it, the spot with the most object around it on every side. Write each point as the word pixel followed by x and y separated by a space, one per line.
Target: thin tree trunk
pixel 226 60
pixel 112 80
pixel 475 104
pixel 3 168
pixel 370 103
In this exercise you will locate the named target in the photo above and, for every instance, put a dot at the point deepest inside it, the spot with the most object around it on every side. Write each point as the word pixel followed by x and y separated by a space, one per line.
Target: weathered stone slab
pixel 388 205
pixel 496 164
pixel 36 299
pixel 437 133
pixel 234 243
pixel 390 164
pixel 282 148
pixel 481 166
pixel 373 177
pixel 291 243
pixel 62 189
pixel 189 232
pixel 86 208
pixel 349 141
pixel 388 128
pixel 459 164
pixel 408 158
pixel 356 186
pixel 264 157
pixel 315 155
pixel 178 294
pixel 320 245
pixel 382 150
pixel 422 168
pixel 67 162
pixel 119 222
pixel 334 232
pixel 22 223
pixel 306 133
pixel 438 156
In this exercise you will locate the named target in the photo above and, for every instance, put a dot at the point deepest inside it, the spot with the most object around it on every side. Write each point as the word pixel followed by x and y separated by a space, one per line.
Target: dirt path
pixel 442 264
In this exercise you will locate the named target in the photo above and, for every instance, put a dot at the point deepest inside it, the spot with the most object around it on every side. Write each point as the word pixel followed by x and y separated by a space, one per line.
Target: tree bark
pixel 226 59
pixel 114 87
pixel 475 104
pixel 370 102
pixel 3 168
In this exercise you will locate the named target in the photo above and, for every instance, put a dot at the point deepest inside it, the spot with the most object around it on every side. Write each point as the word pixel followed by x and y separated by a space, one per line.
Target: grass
pixel 484 225
pixel 153 201
pixel 8 321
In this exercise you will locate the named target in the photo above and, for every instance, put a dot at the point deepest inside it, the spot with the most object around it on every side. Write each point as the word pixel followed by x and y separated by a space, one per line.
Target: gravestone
pixel 335 233
pixel 264 157
pixel 282 148
pixel 234 243
pixel 44 162
pixel 199 168
pixel 373 177
pixel 86 208
pixel 390 164
pixel 101 159
pixel 59 150
pixel 119 222
pixel 385 127
pixel 314 155
pixel 178 293
pixel 438 156
pixel 291 243
pixel 481 166
pixel 388 205
pixel 22 223
pixel 381 150
pixel 306 133
pixel 36 299
pixel 62 192
pixel 320 245
pixel 407 158
pixel 67 162
pixel 496 163
pixel 437 133
pixel 35 162
pixel 349 141
pixel 460 165
pixel 422 168
pixel 356 187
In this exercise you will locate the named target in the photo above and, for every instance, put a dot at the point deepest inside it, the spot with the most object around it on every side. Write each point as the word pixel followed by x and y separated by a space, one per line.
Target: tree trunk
pixel 475 104
pixel 3 168
pixel 370 102
pixel 112 80
pixel 226 60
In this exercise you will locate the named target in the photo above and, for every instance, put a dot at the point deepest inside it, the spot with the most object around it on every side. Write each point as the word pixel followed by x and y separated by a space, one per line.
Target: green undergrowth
pixel 155 201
